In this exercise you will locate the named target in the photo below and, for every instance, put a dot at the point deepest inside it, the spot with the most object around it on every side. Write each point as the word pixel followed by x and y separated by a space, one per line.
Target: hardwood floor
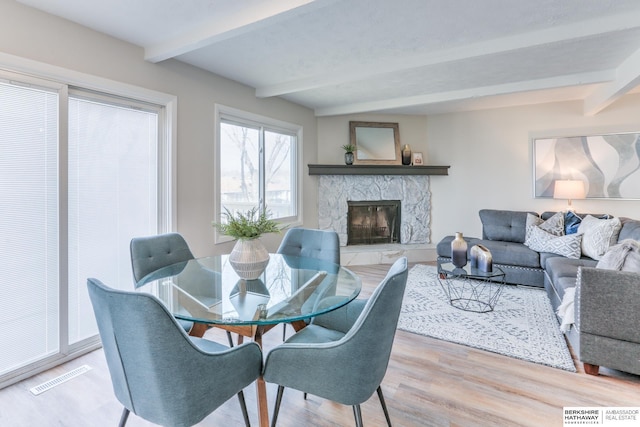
pixel 428 383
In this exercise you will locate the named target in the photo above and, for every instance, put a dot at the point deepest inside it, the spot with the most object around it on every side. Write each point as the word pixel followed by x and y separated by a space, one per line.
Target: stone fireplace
pixel 373 222
pixel 412 191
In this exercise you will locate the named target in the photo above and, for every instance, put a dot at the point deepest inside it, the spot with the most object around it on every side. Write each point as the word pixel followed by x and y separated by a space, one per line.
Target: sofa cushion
pixel 506 253
pixel 598 235
pixel 542 241
pixel 563 271
pixel 630 229
pixel 507 226
pixel 511 253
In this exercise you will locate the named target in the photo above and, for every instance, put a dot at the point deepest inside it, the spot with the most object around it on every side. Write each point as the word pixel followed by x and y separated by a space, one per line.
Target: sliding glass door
pixel 79 177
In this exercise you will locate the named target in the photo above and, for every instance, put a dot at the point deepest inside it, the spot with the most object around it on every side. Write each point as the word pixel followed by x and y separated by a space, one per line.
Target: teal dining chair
pixel 151 253
pixel 343 355
pixel 160 373
pixel 323 245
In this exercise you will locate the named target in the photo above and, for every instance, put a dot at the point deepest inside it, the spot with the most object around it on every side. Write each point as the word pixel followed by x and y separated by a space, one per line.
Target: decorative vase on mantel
pixel 348 158
pixel 249 258
pixel 459 251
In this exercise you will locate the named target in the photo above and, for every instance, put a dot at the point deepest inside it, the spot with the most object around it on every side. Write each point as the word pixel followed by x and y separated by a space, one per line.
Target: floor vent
pixel 59 380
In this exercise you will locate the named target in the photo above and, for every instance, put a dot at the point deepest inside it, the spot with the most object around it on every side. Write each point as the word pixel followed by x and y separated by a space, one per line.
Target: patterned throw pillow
pixel 553 225
pixel 598 235
pixel 542 241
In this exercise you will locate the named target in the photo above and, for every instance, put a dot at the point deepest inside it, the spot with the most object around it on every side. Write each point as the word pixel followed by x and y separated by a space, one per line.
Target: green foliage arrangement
pixel 348 148
pixel 247 225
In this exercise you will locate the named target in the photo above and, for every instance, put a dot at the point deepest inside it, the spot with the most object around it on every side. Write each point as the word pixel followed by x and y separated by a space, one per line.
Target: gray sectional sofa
pixel 607 302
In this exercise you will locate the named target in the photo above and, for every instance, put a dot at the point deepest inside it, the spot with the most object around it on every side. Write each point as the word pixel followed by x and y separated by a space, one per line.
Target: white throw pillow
pixel 542 241
pixel 598 235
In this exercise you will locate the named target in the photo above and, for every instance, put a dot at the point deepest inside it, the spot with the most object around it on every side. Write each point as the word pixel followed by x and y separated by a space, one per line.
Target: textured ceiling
pixel 401 56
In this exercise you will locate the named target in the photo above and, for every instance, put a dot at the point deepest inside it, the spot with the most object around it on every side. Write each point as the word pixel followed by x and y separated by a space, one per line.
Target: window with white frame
pixel 81 173
pixel 257 164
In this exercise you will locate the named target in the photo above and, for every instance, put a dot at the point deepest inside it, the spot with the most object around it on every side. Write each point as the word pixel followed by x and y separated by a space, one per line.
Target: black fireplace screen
pixel 372 222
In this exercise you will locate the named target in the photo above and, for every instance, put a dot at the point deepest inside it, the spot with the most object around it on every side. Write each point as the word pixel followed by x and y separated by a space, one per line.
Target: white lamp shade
pixel 570 189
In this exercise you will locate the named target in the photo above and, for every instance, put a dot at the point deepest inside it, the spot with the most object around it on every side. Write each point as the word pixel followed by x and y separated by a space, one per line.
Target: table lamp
pixel 569 189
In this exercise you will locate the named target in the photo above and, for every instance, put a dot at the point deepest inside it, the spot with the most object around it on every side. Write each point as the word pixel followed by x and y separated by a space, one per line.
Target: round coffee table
pixel 471 289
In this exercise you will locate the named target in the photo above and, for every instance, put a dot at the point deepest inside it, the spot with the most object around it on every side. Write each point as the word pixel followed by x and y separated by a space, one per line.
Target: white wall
pixel 28 33
pixel 490 155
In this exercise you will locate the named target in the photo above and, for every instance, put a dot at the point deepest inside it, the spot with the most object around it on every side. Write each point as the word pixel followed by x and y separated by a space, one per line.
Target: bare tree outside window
pixel 241 148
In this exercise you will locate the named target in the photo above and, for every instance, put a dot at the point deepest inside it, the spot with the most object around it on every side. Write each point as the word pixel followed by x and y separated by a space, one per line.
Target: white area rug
pixel 522 324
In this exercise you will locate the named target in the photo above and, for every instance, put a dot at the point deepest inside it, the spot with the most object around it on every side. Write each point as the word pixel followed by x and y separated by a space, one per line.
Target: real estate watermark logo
pixel 601 416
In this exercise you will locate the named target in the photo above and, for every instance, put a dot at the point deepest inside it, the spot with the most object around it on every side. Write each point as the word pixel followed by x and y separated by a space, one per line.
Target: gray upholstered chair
pixel 343 355
pixel 323 245
pixel 160 373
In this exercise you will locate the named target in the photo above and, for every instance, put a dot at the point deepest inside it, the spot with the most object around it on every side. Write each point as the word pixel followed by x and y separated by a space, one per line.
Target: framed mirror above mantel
pixel 376 143
pixel 377 170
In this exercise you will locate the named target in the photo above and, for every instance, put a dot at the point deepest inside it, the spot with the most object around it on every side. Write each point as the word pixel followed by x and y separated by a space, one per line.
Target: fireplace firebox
pixel 372 222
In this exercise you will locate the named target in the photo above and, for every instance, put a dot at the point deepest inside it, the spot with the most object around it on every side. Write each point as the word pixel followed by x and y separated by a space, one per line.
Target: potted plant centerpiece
pixel 249 257
pixel 348 153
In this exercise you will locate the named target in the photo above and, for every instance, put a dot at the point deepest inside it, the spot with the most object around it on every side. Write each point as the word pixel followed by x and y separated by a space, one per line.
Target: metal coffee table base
pixel 472 295
pixel 470 289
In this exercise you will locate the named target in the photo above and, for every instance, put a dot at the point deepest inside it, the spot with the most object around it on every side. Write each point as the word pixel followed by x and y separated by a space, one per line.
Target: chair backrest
pixel 156 370
pixel 154 252
pixel 367 345
pixel 319 244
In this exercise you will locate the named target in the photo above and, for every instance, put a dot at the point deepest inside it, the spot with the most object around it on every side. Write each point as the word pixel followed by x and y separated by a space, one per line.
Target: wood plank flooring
pixel 428 383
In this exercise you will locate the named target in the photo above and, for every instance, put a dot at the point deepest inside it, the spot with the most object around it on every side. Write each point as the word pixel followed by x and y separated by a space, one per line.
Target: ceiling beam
pixel 458 95
pixel 223 27
pixel 575 31
pixel 627 78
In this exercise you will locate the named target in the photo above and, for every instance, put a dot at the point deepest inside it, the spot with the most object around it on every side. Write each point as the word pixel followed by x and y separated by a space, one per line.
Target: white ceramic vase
pixel 249 258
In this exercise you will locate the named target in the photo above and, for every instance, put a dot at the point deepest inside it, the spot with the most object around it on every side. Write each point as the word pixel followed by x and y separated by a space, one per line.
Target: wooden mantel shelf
pixel 377 170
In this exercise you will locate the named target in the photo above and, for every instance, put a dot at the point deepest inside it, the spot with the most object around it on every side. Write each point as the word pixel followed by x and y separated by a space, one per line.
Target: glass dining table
pixel 208 292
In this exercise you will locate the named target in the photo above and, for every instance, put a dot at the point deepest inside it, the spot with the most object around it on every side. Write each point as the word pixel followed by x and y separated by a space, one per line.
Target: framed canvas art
pixel 608 164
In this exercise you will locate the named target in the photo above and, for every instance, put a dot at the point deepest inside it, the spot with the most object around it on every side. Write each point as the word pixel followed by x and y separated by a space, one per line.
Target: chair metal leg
pixel 384 406
pixel 230 339
pixel 284 332
pixel 243 406
pixel 358 414
pixel 276 409
pixel 123 417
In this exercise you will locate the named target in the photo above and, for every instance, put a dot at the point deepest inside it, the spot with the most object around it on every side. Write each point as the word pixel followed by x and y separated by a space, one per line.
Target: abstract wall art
pixel 609 164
